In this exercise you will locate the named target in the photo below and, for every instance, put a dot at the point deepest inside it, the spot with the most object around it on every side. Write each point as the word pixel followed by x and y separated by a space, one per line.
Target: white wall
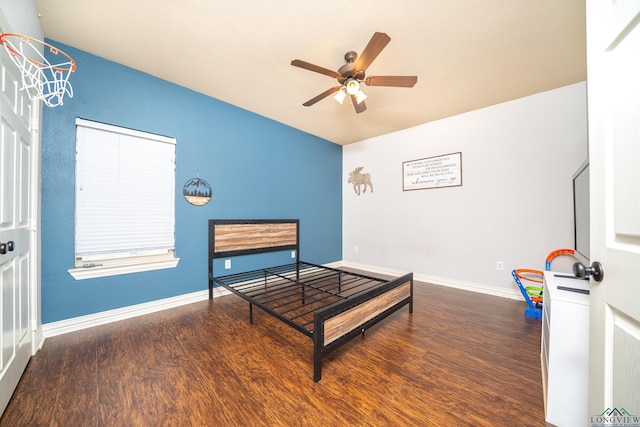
pixel 20 16
pixel 515 204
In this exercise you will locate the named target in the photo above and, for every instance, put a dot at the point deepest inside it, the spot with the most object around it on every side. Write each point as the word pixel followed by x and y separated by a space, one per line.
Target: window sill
pixel 113 270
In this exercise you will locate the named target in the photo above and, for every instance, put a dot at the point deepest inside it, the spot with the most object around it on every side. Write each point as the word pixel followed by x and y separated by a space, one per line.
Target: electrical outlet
pixel 355 248
pixel 293 254
pixel 227 264
pixel 499 265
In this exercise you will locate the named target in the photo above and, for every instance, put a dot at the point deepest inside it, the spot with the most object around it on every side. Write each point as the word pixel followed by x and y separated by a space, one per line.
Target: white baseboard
pixel 78 323
pixel 82 322
pixel 37 340
pixel 441 281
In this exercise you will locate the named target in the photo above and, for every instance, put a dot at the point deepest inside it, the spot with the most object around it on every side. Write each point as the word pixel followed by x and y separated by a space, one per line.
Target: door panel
pixel 626 353
pixel 613 61
pixel 24 159
pixel 7 301
pixel 24 297
pixel 7 180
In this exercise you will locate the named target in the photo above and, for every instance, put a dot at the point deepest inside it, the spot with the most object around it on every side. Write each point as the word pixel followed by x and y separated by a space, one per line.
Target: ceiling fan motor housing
pixel 347 69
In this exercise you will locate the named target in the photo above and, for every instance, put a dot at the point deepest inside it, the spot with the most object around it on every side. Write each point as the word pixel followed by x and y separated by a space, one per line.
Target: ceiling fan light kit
pixel 352 86
pixel 352 74
pixel 340 95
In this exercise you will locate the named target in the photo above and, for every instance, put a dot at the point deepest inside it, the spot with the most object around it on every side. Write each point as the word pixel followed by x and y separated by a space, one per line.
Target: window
pixel 125 201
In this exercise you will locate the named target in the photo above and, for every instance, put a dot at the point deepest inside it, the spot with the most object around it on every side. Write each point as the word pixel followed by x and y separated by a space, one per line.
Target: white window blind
pixel 125 191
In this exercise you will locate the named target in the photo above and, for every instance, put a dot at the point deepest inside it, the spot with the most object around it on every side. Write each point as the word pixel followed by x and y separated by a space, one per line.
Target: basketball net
pixel 41 79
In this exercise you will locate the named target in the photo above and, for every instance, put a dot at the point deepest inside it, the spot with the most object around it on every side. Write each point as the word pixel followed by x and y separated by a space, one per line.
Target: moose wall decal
pixel 358 179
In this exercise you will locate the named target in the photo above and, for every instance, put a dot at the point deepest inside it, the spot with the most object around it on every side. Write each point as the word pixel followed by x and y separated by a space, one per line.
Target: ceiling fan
pixel 352 74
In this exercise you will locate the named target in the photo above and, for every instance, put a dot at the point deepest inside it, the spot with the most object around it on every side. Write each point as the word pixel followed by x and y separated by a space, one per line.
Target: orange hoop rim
pixel 72 64
pixel 559 252
pixel 526 273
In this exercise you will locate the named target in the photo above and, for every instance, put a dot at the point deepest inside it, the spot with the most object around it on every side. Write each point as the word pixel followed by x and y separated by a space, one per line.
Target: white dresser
pixel 565 350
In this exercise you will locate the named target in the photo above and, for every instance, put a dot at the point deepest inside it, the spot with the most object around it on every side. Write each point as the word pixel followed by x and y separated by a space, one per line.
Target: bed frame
pixel 328 305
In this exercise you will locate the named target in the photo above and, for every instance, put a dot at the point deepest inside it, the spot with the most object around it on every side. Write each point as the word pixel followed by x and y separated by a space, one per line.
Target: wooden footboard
pixel 337 324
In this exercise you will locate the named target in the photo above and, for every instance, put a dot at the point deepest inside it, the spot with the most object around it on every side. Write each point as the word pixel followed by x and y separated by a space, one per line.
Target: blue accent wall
pixel 257 167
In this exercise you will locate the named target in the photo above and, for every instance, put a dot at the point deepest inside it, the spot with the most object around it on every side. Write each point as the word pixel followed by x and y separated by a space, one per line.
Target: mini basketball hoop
pixel 40 78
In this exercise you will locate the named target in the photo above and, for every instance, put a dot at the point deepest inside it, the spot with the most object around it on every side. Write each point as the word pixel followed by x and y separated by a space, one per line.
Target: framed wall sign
pixel 432 172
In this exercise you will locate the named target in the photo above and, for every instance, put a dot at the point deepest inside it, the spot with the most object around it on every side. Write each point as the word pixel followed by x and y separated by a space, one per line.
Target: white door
pixel 17 228
pixel 613 83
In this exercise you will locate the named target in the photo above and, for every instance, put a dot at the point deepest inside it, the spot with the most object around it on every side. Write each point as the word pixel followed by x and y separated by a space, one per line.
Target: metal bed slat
pixel 245 280
pixel 313 301
pixel 280 289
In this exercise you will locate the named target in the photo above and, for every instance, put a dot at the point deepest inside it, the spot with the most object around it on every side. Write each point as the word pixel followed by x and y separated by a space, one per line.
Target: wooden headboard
pixel 233 237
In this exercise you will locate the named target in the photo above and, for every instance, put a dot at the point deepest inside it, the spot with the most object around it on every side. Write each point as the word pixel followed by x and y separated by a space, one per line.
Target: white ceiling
pixel 467 54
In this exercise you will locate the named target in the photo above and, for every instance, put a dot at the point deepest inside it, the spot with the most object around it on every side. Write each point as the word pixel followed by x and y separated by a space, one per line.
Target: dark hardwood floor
pixel 461 359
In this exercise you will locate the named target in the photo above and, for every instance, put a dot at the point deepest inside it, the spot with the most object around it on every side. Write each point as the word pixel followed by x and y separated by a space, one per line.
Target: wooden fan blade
pixel 359 107
pixel 371 52
pixel 396 81
pixel 316 68
pixel 323 95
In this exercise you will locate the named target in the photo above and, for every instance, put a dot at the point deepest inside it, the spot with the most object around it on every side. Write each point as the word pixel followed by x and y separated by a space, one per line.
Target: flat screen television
pixel 581 220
